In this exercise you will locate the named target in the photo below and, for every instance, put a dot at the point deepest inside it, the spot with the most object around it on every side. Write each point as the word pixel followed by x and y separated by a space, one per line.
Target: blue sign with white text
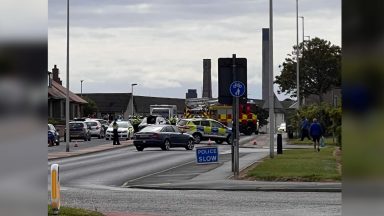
pixel 207 155
pixel 237 89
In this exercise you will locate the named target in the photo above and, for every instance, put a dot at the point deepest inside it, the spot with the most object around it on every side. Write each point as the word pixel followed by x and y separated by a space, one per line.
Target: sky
pixel 161 44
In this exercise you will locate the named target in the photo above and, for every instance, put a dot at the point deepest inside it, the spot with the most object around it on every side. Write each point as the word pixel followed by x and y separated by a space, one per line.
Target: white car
pixel 282 127
pixel 125 130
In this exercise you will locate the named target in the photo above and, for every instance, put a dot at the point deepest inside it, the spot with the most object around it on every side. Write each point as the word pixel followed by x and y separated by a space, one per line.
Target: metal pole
pixel 233 115
pixel 302 19
pixel 67 98
pixel 297 54
pixel 237 140
pixel 81 88
pixel 132 98
pixel 271 94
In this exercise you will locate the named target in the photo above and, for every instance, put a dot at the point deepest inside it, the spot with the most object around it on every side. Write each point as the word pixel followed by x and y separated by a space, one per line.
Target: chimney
pixel 55 72
pixel 265 64
pixel 207 84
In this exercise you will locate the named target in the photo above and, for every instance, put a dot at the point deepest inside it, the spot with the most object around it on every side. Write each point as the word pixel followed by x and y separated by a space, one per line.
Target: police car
pixel 204 129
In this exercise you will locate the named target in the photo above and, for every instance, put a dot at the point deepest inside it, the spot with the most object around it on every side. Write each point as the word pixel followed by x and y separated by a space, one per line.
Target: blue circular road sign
pixel 237 89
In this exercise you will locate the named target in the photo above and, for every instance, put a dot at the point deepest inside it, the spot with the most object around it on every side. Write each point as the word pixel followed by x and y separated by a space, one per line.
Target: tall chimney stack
pixel 207 83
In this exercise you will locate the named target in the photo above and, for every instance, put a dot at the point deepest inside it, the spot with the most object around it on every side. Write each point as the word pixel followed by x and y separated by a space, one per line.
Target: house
pixel 57 97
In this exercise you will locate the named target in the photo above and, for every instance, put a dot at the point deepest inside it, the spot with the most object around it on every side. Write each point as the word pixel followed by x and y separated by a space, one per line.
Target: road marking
pixel 151 174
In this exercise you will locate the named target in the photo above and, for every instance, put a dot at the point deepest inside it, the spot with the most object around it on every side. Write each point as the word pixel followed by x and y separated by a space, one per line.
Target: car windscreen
pixel 76 125
pixel 121 124
pixel 91 123
pixel 152 129
pixel 182 122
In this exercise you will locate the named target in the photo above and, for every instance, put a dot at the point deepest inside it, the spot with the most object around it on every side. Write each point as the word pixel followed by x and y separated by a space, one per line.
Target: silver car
pixel 125 130
pixel 96 128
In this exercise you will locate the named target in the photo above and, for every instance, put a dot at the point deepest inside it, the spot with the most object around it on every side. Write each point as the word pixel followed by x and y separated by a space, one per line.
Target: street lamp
pixel 303 31
pixel 297 55
pixel 133 84
pixel 67 98
pixel 81 88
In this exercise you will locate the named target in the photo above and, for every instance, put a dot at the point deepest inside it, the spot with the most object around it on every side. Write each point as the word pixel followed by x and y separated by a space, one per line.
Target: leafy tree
pixel 262 115
pixel 89 108
pixel 320 69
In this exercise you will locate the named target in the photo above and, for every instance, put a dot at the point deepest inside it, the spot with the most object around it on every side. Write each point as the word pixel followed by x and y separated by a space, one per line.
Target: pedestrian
pixel 316 132
pixel 304 128
pixel 115 126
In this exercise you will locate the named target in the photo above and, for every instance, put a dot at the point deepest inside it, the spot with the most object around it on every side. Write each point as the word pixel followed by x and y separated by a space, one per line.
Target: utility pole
pixel 297 55
pixel 81 88
pixel 271 94
pixel 67 98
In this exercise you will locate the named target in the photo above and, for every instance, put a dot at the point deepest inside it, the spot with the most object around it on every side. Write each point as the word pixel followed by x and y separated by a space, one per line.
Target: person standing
pixel 304 129
pixel 316 132
pixel 115 126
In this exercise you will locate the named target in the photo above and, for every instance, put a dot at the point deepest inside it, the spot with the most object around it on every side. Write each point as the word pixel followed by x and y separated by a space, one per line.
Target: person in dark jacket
pixel 316 132
pixel 304 128
pixel 115 126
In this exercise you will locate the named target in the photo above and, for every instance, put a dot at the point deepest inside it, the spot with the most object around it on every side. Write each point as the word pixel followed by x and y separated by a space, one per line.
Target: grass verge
pixel 328 141
pixel 298 165
pixel 67 211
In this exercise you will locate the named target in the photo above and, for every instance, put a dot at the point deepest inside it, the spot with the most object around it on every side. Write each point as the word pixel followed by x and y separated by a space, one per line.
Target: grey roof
pixel 277 105
pixel 118 102
pixel 287 103
pixel 110 102
pixel 57 91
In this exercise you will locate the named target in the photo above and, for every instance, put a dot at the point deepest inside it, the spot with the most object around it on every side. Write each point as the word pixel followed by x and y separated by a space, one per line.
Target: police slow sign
pixel 207 155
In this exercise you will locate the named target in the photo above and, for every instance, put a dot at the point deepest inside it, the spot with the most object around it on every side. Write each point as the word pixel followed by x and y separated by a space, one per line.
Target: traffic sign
pixel 237 89
pixel 207 155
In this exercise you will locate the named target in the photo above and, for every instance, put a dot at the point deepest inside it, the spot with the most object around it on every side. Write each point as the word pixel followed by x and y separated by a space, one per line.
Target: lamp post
pixel 67 98
pixel 302 19
pixel 81 88
pixel 297 55
pixel 271 98
pixel 133 84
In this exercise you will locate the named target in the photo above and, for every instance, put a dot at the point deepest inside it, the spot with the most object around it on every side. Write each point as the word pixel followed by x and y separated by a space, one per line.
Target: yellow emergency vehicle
pixel 204 129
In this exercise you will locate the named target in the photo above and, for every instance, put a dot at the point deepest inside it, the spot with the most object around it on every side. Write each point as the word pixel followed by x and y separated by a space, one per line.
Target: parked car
pixel 95 128
pixel 282 127
pixel 53 135
pixel 204 129
pixel 79 130
pixel 125 130
pixel 152 120
pixel 104 123
pixel 163 136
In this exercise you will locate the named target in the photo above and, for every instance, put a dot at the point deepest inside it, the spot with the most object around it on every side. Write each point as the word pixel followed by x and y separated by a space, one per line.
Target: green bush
pixel 328 116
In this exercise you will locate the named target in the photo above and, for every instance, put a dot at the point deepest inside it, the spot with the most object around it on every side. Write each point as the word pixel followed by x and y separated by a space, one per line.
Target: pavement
pixel 221 178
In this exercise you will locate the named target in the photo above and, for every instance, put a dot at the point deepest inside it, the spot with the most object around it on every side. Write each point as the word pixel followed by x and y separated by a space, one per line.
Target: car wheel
pixel 85 138
pixel 218 141
pixel 197 138
pixel 190 145
pixel 58 142
pixel 166 146
pixel 229 139
pixel 139 148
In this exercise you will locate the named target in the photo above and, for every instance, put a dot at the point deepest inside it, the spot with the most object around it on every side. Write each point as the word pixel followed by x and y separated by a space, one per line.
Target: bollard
pixel 55 189
pixel 279 144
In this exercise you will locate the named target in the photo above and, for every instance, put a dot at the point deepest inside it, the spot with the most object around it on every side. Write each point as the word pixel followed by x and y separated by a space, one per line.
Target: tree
pixel 262 115
pixel 320 69
pixel 89 108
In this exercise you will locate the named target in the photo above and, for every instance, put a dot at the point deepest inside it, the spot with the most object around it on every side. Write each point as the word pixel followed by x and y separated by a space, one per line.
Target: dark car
pixel 152 120
pixel 79 130
pixel 163 136
pixel 53 135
